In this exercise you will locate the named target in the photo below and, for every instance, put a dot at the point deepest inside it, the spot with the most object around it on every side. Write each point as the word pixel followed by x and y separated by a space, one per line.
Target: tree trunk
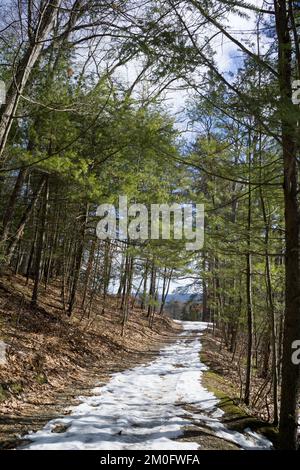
pixel 88 271
pixel 271 312
pixel 165 290
pixel 9 211
pixel 24 219
pixel 47 16
pixel 106 272
pixel 78 258
pixel 40 246
pixel 128 285
pixel 143 302
pixel 249 296
pixel 290 371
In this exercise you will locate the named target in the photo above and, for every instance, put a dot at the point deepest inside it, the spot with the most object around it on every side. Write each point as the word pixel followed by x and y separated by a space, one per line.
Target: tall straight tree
pixel 289 128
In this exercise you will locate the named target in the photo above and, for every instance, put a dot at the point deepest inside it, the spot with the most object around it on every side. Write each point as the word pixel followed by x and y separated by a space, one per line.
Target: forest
pixel 166 102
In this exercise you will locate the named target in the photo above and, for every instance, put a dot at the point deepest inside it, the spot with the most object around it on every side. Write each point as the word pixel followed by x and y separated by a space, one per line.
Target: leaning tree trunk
pixel 47 17
pixel 9 211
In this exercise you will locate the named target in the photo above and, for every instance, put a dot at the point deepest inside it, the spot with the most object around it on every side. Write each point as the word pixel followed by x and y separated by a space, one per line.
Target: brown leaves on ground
pixel 231 366
pixel 51 359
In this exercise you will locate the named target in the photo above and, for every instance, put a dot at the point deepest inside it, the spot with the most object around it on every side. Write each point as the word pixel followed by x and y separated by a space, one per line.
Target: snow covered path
pixel 144 407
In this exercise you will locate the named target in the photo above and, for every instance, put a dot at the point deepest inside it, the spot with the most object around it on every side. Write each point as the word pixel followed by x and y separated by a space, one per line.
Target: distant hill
pixel 177 297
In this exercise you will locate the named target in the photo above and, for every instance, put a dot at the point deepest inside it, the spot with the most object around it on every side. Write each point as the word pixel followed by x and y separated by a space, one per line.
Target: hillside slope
pixel 48 359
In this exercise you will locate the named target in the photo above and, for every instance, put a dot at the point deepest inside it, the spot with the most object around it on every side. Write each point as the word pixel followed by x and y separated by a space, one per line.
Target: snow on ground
pixel 143 407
